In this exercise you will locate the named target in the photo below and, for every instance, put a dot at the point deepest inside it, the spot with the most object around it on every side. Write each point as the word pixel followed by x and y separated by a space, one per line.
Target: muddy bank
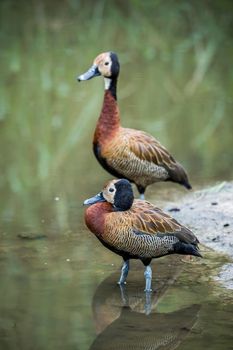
pixel 209 213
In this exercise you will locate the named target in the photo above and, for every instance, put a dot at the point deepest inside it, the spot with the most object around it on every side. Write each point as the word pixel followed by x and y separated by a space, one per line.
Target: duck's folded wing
pixel 147 219
pixel 147 148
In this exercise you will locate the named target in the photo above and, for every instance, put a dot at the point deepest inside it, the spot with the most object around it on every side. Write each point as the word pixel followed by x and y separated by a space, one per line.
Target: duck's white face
pixel 109 191
pixel 117 192
pixel 104 63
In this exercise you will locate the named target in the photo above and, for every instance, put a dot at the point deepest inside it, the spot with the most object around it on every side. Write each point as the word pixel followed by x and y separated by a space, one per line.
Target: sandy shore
pixel 209 213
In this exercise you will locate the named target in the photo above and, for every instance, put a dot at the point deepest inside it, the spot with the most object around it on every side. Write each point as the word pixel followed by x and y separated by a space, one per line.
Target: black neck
pixel 113 87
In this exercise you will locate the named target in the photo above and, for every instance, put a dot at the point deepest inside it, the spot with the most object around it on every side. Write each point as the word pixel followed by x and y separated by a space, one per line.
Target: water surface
pixel 58 290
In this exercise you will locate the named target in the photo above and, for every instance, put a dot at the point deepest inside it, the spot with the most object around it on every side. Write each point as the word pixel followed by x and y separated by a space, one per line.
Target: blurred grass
pixel 176 82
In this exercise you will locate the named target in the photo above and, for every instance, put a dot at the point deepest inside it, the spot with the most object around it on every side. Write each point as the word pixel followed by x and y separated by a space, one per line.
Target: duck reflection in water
pixel 126 318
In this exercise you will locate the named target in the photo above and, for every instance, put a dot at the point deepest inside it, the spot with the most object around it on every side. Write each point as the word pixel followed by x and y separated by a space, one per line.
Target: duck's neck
pixel 111 85
pixel 109 120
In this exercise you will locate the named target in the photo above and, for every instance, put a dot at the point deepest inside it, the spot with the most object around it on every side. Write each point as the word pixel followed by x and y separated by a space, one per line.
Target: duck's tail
pixel 178 174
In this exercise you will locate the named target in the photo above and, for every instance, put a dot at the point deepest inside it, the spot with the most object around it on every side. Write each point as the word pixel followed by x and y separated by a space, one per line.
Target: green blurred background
pixel 176 82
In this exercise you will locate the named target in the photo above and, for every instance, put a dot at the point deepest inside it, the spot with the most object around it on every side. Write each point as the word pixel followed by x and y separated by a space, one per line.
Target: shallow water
pixel 58 287
pixel 59 291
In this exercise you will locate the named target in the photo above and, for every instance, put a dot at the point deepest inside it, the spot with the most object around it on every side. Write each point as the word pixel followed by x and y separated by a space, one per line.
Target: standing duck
pixel 136 229
pixel 123 152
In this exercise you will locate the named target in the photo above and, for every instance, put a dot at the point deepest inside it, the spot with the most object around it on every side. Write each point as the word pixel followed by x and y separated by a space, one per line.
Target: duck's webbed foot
pixel 124 272
pixel 148 278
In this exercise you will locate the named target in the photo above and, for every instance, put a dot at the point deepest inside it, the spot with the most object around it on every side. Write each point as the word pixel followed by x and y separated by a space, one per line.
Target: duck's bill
pixel 91 73
pixel 98 198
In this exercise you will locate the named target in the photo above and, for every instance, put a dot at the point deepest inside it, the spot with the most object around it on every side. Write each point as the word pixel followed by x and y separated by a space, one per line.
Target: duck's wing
pixel 146 219
pixel 146 148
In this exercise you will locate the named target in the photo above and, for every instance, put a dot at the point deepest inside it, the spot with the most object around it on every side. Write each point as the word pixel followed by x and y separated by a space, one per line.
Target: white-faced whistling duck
pixel 128 153
pixel 136 229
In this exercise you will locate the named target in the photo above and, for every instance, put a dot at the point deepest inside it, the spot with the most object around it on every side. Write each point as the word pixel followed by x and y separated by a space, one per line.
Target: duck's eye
pixel 106 63
pixel 111 189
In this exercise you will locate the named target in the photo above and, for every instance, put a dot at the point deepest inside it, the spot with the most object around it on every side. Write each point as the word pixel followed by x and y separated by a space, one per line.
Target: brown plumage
pixel 124 152
pixel 136 229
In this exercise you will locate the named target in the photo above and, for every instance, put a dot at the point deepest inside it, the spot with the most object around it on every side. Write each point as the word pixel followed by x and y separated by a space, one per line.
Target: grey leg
pixel 147 303
pixel 124 295
pixel 148 277
pixel 124 272
pixel 142 196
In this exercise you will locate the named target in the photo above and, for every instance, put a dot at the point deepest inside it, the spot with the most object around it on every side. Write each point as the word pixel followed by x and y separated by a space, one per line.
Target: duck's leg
pixel 141 191
pixel 124 295
pixel 147 303
pixel 124 272
pixel 147 274
pixel 148 278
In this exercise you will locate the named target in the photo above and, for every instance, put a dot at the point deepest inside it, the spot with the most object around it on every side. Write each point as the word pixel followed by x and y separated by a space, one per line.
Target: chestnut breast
pixel 95 217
